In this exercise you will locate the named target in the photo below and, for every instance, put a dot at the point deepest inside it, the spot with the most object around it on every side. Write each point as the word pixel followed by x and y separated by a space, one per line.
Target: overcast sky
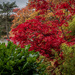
pixel 19 3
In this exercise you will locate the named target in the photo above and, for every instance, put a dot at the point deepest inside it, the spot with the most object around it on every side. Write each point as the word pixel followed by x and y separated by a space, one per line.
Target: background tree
pixel 6 8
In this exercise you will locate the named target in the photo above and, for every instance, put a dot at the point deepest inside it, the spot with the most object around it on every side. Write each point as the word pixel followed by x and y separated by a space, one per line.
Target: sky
pixel 19 3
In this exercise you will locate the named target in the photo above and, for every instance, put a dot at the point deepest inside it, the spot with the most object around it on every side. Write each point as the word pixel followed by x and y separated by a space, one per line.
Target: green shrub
pixel 67 64
pixel 72 26
pixel 47 62
pixel 19 61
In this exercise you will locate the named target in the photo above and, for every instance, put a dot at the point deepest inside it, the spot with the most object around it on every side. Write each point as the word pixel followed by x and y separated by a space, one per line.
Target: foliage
pixel 19 61
pixel 7 7
pixel 45 36
pixel 21 16
pixel 47 62
pixel 72 26
pixel 63 65
pixel 69 60
pixel 66 65
pixel 42 38
pixel 28 14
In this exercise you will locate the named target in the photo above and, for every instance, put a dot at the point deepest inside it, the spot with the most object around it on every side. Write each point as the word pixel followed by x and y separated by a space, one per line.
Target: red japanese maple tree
pixel 44 37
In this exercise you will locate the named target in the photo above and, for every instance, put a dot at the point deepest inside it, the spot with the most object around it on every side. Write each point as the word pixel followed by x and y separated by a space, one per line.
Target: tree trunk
pixel 7 26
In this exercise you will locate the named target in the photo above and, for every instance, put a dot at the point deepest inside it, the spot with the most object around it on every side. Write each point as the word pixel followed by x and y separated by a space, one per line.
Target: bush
pixel 68 66
pixel 19 61
pixel 65 66
pixel 72 26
